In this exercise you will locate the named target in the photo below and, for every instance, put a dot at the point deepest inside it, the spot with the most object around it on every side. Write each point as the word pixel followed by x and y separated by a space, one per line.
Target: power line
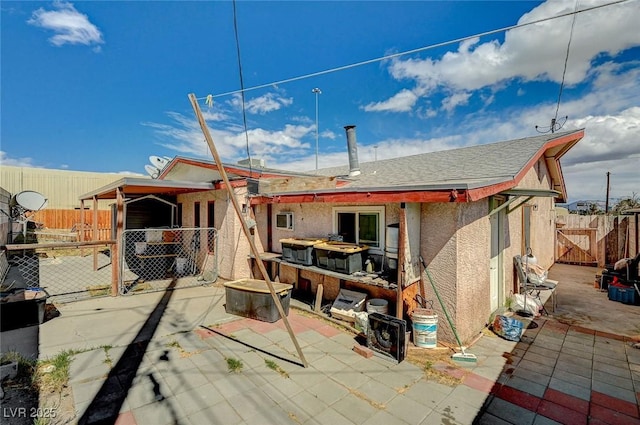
pixel 244 112
pixel 420 49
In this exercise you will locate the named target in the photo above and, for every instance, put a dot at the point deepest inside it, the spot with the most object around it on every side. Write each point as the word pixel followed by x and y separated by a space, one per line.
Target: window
pixel 361 225
pixel 284 220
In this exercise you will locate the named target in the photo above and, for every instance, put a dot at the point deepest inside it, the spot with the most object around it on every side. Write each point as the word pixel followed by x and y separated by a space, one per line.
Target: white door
pixel 495 265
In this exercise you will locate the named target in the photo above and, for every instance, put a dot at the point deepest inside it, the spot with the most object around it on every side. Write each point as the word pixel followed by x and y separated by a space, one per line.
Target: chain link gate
pixel 151 259
pixel 66 273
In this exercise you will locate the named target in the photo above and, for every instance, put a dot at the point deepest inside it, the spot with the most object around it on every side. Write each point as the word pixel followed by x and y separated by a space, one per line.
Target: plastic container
pixel 299 251
pixel 181 265
pixel 377 305
pixel 251 298
pixel 26 308
pixel 425 328
pixel 625 295
pixel 341 257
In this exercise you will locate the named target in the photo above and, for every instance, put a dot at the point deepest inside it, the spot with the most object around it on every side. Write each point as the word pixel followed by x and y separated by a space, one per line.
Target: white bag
pixel 534 306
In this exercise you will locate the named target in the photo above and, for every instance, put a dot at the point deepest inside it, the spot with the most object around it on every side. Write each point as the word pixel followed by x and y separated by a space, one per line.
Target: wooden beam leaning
pixel 245 228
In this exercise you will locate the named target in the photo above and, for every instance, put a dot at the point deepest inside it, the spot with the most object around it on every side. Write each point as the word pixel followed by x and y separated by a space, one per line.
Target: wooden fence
pixel 65 225
pixel 596 239
pixel 67 219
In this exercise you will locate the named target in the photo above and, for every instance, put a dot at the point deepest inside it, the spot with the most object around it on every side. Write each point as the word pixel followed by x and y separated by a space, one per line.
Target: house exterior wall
pixel 543 226
pixel 456 244
pixel 473 242
pixel 310 221
pixel 233 247
pixel 455 241
pixel 439 223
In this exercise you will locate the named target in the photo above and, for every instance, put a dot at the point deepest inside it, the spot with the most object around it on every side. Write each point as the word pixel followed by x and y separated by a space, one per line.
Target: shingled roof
pixel 474 171
pixel 462 168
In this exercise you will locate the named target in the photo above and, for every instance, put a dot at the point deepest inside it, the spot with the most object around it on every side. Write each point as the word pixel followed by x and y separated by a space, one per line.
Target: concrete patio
pixel 162 358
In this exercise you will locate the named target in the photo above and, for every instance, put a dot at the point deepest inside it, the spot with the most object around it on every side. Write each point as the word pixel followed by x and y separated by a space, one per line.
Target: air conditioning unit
pixel 284 220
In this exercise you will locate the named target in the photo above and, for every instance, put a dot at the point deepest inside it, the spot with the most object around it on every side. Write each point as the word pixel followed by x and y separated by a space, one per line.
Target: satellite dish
pixel 158 161
pixel 26 201
pixel 30 200
pixel 152 171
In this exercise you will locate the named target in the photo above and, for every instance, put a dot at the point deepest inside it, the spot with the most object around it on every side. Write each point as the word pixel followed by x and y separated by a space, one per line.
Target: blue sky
pixel 101 86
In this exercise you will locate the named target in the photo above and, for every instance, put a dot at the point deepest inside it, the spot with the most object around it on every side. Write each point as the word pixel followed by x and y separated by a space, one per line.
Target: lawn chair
pixel 532 281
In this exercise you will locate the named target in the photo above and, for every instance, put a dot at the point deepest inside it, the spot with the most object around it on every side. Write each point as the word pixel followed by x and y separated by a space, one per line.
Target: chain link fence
pixel 151 259
pixel 66 273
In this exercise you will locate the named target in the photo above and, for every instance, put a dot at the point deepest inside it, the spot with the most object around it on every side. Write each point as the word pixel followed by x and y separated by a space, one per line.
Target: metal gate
pixel 151 259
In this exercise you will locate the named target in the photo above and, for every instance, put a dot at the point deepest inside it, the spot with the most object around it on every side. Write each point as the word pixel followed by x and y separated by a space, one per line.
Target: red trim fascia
pixel 230 169
pixel 568 139
pixel 358 197
pixel 233 183
pixel 485 192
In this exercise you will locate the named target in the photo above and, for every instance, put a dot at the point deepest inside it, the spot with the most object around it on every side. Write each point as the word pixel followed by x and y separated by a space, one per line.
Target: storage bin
pixel 625 295
pixel 251 298
pixel 299 250
pixel 340 257
pixel 22 308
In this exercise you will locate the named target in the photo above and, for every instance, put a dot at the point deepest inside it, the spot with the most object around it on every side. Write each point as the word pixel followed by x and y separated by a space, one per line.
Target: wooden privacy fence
pixel 595 240
pixel 67 219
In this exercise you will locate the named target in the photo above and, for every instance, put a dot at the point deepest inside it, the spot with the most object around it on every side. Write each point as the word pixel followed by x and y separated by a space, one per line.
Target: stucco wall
pixel 310 221
pixel 542 215
pixel 474 254
pixel 439 250
pixel 233 246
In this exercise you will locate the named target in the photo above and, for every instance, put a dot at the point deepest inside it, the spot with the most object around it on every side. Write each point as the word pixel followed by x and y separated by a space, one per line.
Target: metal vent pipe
pixel 352 146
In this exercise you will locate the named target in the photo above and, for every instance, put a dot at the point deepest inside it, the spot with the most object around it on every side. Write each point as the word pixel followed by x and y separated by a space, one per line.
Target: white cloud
pixel 69 25
pixel 16 162
pixel 530 53
pixel 456 99
pixel 184 136
pixel 261 105
pixel 328 134
pixel 400 102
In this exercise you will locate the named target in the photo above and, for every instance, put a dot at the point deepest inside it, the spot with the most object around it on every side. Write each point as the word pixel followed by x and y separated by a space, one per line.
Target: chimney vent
pixel 354 165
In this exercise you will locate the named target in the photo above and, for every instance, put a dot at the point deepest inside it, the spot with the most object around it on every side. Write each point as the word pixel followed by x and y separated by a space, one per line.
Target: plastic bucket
pixel 425 328
pixel 181 265
pixel 377 305
pixel 140 247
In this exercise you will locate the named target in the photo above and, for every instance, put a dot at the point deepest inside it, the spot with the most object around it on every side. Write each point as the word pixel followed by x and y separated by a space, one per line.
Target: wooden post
pixel 115 248
pixel 318 304
pixel 95 232
pixel 245 228
pixel 402 228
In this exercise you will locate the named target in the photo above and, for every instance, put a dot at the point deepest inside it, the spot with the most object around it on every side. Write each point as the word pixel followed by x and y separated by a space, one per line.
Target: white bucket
pixel 181 265
pixel 377 305
pixel 140 247
pixel 425 328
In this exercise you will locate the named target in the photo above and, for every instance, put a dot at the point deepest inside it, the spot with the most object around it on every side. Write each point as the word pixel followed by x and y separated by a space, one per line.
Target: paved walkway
pixel 147 360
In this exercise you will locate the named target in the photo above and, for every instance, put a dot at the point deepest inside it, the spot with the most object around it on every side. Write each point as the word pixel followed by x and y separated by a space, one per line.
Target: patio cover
pixel 140 186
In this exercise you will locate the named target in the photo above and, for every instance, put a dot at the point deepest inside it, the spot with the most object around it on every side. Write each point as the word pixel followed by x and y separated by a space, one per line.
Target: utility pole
pixel 606 203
